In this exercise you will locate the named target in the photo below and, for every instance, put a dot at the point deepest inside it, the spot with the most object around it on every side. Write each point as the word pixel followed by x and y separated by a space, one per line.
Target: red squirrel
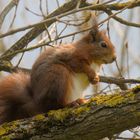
pixel 58 77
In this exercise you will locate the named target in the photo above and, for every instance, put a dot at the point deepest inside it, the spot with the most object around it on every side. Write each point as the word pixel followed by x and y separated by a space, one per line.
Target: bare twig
pixel 6 10
pixel 40 7
pixel 128 23
pixel 127 57
pixel 77 24
pixel 57 2
pixel 118 81
pixel 26 8
pixel 20 59
pixel 14 17
pixel 47 9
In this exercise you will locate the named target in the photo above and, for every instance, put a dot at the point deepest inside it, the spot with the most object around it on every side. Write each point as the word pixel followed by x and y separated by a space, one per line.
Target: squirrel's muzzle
pixel 110 60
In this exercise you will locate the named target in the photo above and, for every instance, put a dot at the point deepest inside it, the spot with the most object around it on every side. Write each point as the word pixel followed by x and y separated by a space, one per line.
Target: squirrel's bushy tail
pixel 16 97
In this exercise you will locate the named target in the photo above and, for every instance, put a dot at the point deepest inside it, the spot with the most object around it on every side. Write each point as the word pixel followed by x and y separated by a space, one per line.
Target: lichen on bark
pixel 89 116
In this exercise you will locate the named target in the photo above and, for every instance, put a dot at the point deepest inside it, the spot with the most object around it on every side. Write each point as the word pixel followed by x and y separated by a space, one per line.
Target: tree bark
pixel 103 116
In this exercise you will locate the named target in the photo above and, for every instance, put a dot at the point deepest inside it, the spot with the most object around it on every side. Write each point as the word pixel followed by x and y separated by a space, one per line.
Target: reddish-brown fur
pixel 51 82
pixel 15 98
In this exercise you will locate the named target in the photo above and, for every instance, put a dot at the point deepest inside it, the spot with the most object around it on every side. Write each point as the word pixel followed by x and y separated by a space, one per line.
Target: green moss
pixel 6 127
pixel 136 89
pixel 80 110
pixel 106 100
pixel 62 114
pixel 5 138
pixel 137 114
pixel 39 117
pixel 113 100
pixel 2 130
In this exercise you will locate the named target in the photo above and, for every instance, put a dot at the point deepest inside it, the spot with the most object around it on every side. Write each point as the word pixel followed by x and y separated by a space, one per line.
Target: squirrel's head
pixel 103 49
pixel 100 47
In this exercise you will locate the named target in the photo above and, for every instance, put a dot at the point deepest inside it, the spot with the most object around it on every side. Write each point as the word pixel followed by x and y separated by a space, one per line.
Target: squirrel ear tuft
pixel 93 35
pixel 94 24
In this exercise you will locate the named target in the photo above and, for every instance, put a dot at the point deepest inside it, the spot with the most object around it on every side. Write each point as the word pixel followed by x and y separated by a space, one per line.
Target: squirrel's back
pixel 15 97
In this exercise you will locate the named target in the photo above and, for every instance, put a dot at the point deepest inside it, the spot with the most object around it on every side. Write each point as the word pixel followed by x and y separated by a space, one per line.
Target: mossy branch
pixel 103 116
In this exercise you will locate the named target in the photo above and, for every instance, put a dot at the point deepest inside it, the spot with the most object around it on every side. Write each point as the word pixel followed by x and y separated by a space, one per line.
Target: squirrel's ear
pixel 94 29
pixel 93 35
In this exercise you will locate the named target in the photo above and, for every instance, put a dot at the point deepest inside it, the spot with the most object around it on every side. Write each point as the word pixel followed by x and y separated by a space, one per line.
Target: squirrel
pixel 58 77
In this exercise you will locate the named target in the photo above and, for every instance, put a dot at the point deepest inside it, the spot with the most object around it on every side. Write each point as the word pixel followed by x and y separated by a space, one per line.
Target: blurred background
pixel 125 38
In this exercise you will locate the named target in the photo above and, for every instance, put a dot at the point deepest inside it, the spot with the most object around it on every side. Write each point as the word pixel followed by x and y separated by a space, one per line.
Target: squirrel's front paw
pixel 78 102
pixel 94 80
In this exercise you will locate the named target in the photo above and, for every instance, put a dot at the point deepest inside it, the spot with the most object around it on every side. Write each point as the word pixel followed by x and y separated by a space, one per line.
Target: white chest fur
pixel 95 67
pixel 80 83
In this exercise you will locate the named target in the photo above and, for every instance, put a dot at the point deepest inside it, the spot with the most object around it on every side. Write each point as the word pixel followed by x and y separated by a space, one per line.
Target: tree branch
pixel 118 81
pixel 6 10
pixel 103 116
pixel 122 20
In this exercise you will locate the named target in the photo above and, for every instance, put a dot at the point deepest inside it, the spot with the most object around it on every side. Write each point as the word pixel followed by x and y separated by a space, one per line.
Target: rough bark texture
pixel 103 116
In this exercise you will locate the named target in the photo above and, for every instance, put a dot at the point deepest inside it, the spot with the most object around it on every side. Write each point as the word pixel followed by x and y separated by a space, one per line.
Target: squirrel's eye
pixel 103 44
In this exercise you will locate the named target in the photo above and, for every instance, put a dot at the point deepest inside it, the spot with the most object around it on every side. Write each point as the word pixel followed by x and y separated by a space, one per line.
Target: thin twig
pixel 77 24
pixel 14 17
pixel 57 2
pixel 122 20
pixel 20 59
pixel 40 7
pixel 6 10
pixel 49 36
pixel 127 58
pixel 26 8
pixel 47 9
pixel 118 81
